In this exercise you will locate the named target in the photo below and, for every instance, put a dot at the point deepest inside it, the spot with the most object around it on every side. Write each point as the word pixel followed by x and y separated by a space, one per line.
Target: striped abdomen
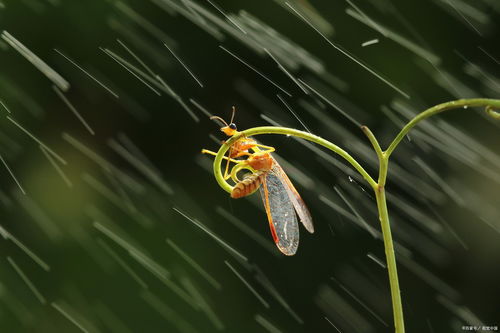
pixel 248 185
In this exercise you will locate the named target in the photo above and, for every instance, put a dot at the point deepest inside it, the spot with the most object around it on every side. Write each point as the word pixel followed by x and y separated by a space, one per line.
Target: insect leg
pixel 206 151
pixel 226 170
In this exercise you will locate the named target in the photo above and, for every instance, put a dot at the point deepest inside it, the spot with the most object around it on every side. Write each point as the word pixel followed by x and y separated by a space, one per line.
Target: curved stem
pixel 380 154
pixel 489 104
pixel 373 141
pixel 492 112
pixel 284 131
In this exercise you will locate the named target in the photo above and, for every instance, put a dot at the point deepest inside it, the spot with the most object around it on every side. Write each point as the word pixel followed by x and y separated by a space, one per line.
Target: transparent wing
pixel 298 203
pixel 280 213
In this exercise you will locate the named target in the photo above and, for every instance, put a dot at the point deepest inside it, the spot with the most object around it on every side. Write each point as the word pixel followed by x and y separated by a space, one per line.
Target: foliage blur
pixel 448 235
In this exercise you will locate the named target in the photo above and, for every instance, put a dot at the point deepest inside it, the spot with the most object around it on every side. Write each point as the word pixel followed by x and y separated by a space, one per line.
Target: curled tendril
pixel 492 112
pixel 218 162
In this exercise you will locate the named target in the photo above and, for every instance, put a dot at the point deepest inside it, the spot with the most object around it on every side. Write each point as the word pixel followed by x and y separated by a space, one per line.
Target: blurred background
pixel 112 221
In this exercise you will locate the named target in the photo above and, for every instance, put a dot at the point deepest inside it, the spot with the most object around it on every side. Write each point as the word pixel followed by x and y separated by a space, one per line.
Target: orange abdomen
pixel 248 185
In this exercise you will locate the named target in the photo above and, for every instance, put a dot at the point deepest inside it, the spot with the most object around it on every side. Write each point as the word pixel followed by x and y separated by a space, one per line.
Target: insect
pixel 281 200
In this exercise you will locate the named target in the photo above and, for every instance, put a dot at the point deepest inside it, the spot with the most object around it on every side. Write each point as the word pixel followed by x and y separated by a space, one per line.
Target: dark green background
pixel 85 278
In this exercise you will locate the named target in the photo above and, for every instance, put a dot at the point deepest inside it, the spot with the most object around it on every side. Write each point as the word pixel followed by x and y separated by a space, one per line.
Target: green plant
pixel 490 105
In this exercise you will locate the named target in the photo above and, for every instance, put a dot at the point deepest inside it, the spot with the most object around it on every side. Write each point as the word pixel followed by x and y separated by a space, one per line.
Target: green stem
pixel 390 256
pixel 489 104
pixel 373 141
pixel 380 154
pixel 379 187
pixel 283 131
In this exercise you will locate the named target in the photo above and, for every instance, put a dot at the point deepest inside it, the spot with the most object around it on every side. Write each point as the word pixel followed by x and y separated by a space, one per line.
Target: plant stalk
pixel 491 107
pixel 397 306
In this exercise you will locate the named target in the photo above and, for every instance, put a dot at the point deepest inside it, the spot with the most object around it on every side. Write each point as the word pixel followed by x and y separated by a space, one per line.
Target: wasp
pixel 281 200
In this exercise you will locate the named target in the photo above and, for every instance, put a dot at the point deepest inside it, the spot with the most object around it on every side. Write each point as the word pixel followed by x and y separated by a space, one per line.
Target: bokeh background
pixel 106 230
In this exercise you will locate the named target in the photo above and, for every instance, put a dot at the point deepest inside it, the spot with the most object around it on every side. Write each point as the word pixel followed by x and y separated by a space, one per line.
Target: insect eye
pixel 232 126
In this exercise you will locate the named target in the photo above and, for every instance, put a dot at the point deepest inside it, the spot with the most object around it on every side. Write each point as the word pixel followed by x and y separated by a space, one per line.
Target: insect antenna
pixel 232 116
pixel 220 119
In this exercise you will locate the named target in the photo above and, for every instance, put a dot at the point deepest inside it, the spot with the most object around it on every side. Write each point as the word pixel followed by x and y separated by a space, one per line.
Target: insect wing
pixel 280 213
pixel 298 203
